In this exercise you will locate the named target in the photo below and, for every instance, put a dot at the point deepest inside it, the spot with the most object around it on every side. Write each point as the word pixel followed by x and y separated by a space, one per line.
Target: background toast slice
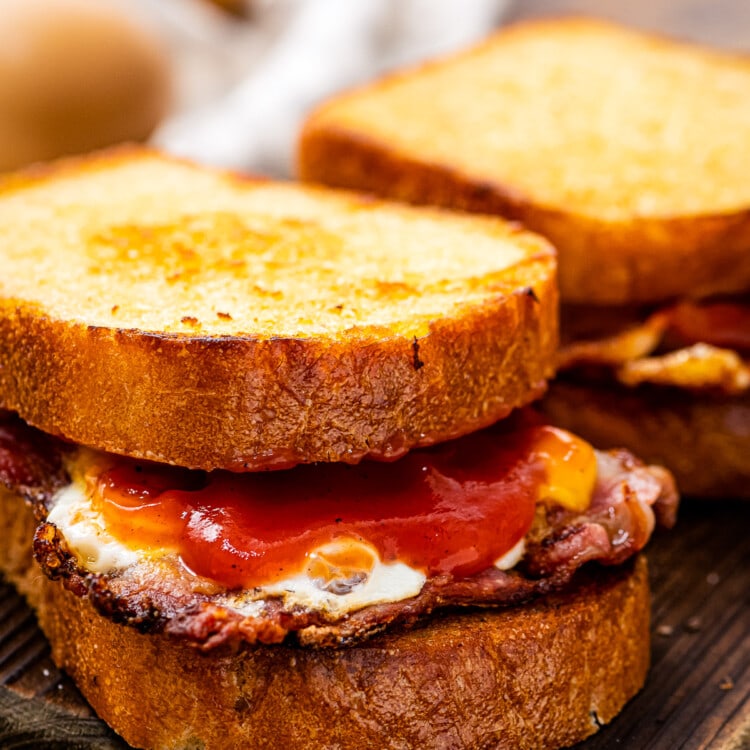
pixel 152 308
pixel 627 150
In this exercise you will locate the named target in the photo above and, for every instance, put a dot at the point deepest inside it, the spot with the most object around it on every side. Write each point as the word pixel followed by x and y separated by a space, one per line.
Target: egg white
pixel 98 551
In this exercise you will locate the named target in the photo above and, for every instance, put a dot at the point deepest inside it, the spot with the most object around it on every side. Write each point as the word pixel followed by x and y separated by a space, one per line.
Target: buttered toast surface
pixel 608 141
pixel 265 324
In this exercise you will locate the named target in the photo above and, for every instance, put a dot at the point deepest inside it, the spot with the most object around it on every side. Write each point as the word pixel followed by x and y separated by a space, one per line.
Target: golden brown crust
pixel 541 675
pixel 231 396
pixel 704 441
pixel 631 256
pixel 711 256
pixel 204 403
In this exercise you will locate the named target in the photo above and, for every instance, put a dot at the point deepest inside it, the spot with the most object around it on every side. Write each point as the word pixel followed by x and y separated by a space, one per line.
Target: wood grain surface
pixel 697 695
pixel 698 692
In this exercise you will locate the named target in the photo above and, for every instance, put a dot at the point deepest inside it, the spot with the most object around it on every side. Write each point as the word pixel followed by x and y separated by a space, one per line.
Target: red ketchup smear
pixel 453 508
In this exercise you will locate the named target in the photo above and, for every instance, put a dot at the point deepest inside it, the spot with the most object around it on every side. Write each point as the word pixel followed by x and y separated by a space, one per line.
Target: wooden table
pixel 698 692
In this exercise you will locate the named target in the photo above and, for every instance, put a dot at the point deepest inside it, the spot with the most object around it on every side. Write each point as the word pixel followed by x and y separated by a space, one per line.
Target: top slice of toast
pixel 628 151
pixel 156 309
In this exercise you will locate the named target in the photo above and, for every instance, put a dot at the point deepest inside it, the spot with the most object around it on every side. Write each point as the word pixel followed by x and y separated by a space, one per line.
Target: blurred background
pixel 228 82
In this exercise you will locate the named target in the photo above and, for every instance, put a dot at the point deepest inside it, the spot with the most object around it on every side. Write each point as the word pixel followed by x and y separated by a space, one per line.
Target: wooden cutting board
pixel 697 695
pixel 698 692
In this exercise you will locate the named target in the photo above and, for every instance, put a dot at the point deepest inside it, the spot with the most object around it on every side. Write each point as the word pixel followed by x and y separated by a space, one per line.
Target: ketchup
pixel 451 509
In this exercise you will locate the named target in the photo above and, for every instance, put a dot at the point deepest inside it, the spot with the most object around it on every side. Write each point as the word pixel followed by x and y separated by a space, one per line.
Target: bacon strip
pixel 162 597
pixel 722 324
pixel 625 346
pixel 30 461
pixel 705 364
pixel 695 367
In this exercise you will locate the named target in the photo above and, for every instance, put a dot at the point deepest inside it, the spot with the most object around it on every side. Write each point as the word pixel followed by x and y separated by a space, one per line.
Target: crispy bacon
pixel 624 346
pixel 30 461
pixel 706 335
pixel 160 596
pixel 696 367
pixel 722 324
pixel 629 498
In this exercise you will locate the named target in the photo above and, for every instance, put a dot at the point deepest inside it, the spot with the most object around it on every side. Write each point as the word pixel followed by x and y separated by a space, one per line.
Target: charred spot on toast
pixel 531 294
pixel 418 363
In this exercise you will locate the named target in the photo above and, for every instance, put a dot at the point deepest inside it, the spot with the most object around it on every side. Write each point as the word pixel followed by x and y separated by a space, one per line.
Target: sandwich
pixel 269 478
pixel 627 152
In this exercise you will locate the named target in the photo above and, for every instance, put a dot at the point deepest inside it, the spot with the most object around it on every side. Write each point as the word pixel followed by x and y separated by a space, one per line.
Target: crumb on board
pixel 694 624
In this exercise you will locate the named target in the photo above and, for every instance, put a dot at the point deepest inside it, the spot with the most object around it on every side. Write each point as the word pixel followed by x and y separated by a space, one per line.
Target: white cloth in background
pixel 243 88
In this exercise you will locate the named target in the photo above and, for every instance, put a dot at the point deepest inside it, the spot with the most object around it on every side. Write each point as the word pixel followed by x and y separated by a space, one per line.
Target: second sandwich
pixel 628 152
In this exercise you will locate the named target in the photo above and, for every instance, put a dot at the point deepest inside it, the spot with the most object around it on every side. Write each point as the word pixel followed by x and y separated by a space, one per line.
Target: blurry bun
pixel 75 75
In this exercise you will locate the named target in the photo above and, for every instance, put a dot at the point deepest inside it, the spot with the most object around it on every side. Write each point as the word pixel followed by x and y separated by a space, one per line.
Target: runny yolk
pixel 570 469
pixel 451 509
pixel 341 564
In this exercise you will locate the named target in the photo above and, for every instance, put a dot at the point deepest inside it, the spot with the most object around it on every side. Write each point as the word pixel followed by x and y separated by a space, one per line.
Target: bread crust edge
pixel 243 404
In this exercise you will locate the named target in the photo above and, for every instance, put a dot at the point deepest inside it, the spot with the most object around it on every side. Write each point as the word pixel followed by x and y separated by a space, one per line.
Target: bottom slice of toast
pixel 542 675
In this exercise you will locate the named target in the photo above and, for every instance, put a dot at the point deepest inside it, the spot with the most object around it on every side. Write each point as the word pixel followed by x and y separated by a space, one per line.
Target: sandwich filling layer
pixel 332 537
pixel 453 509
pixel 331 554
pixel 671 384
pixel 698 346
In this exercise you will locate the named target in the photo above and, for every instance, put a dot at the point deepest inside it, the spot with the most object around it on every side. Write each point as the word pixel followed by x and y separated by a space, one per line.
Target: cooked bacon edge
pixel 705 353
pixel 628 498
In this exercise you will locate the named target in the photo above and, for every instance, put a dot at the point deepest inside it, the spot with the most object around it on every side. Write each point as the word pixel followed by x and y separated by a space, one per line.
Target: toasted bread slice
pixel 152 308
pixel 546 674
pixel 626 150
